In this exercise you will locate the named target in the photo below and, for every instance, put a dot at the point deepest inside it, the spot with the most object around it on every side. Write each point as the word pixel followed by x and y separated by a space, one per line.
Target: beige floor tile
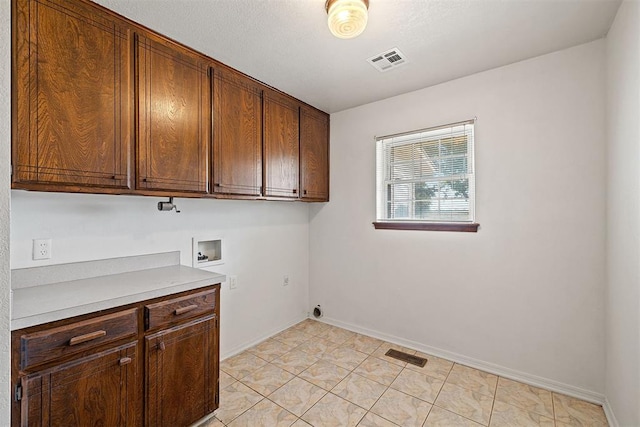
pixel 311 327
pixel 295 361
pixel 385 346
pixel 378 370
pixel 359 390
pixel 577 412
pixel 473 379
pixel 364 343
pixel 344 357
pixel 373 420
pixel 292 337
pixel 435 367
pixel 297 396
pixel 524 396
pixel 401 408
pixel 211 422
pixel 337 335
pixel 470 404
pixel 333 411
pixel 267 379
pixel 418 385
pixel 439 417
pixel 301 423
pixel 317 346
pixel 241 365
pixel 324 374
pixel 234 400
pixel 225 380
pixel 505 415
pixel 266 413
pixel 270 349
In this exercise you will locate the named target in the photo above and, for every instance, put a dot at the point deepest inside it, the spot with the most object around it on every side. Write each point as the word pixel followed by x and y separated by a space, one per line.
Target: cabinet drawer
pixel 175 310
pixel 51 344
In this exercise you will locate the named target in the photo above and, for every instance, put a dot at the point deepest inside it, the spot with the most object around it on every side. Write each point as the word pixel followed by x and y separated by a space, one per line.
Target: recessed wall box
pixel 207 252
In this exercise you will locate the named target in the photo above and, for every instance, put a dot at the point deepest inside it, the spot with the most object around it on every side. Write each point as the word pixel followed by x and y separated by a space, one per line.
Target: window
pixel 425 179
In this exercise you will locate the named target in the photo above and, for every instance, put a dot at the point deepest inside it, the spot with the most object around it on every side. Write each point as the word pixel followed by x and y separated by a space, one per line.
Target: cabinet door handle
pixel 295 191
pixel 305 192
pixel 183 310
pixel 87 337
pixel 124 361
pixel 161 346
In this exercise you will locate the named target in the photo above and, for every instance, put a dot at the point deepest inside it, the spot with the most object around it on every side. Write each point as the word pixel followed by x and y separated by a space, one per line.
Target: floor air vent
pixel 388 60
pixel 409 358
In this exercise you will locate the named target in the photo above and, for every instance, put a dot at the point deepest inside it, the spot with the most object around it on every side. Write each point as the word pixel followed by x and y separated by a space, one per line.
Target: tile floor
pixel 314 374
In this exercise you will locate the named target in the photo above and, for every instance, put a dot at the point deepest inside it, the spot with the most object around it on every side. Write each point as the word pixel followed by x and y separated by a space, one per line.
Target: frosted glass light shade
pixel 347 18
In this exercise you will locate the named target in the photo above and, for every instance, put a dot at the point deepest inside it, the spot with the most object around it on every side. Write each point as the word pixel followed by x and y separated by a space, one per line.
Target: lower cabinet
pixel 153 363
pixel 97 390
pixel 181 367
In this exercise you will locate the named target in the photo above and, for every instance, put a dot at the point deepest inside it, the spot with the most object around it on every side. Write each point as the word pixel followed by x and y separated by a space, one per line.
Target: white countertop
pixel 44 303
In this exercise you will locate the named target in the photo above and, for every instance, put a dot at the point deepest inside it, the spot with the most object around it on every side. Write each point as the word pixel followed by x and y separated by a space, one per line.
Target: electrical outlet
pixel 41 249
pixel 233 282
pixel 285 280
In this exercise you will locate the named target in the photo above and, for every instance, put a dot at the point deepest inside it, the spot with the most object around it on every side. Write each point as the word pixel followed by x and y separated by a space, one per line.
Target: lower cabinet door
pixel 181 373
pixel 96 390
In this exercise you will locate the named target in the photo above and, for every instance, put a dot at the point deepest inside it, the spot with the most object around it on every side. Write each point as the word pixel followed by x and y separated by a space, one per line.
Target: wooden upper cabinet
pixel 281 146
pixel 314 154
pixel 72 96
pixel 237 134
pixel 173 116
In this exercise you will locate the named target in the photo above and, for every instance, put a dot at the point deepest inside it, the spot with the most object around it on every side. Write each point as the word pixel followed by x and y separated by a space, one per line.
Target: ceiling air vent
pixel 388 60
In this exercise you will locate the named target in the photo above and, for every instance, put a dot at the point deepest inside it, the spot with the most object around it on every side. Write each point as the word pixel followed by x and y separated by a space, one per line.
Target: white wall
pixel 263 241
pixel 5 176
pixel 525 294
pixel 623 215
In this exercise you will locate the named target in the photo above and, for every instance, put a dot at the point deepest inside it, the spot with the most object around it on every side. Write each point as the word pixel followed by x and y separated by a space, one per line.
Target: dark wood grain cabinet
pixel 152 363
pixel 281 146
pixel 99 389
pixel 101 104
pixel 314 154
pixel 181 366
pixel 72 96
pixel 173 117
pixel 237 136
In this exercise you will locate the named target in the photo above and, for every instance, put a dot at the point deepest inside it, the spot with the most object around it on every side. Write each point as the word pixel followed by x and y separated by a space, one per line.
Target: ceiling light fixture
pixel 347 18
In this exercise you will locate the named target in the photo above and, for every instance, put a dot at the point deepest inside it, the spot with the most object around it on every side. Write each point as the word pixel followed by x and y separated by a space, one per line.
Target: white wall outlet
pixel 41 249
pixel 233 282
pixel 285 280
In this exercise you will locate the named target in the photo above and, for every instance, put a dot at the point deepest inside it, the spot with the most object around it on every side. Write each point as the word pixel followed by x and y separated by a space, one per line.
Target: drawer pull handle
pixel 161 346
pixel 183 310
pixel 125 361
pixel 87 337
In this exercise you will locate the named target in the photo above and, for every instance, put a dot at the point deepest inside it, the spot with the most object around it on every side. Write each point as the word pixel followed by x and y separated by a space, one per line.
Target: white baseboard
pixel 242 347
pixel 556 386
pixel 608 411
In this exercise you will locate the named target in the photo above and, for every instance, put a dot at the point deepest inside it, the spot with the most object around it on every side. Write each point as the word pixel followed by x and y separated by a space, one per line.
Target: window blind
pixel 426 175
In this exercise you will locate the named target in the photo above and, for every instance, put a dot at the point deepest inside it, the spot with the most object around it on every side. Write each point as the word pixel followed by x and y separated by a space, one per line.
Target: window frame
pixel 413 223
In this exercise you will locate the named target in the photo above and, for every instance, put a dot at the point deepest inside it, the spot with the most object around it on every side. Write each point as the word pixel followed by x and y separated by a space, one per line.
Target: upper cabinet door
pixel 173 117
pixel 237 138
pixel 72 96
pixel 314 154
pixel 281 146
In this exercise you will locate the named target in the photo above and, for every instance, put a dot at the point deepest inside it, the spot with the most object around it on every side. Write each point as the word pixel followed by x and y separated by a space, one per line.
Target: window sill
pixel 428 226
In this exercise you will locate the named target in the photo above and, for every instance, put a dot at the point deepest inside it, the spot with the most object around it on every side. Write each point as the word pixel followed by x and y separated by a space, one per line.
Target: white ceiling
pixel 286 43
